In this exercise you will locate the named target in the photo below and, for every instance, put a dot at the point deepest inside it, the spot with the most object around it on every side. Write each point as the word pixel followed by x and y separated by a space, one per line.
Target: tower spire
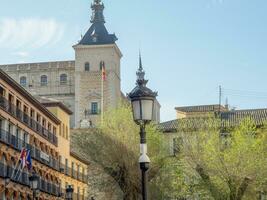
pixel 140 61
pixel 97 8
pixel 140 73
pixel 97 34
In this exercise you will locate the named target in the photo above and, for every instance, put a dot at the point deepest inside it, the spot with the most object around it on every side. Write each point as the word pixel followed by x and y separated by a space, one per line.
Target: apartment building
pixel 26 123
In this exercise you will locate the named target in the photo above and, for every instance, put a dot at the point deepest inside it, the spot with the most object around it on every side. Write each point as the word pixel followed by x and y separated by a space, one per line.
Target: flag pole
pixel 102 93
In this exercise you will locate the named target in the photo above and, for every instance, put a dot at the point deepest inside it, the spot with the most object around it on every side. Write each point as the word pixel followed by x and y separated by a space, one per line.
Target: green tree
pixel 115 147
pixel 230 166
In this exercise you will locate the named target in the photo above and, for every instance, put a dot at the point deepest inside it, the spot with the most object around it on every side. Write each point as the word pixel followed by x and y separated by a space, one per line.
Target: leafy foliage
pixel 115 146
pixel 230 165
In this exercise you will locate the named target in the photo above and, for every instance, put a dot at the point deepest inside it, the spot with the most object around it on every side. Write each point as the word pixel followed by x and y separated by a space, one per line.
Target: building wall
pixel 47 136
pixel 16 133
pixel 88 83
pixel 156 114
pixel 82 88
pixel 64 92
pixel 75 166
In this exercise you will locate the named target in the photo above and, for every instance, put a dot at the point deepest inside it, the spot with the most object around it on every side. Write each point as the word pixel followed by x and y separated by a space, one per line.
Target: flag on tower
pixel 103 68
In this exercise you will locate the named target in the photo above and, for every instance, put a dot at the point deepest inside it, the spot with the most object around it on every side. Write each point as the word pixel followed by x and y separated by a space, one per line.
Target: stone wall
pixel 88 83
pixel 64 92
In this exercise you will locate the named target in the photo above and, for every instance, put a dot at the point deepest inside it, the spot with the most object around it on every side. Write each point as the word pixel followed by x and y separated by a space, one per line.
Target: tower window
pixel 63 79
pixel 94 108
pixel 94 39
pixel 23 81
pixel 101 65
pixel 87 67
pixel 43 80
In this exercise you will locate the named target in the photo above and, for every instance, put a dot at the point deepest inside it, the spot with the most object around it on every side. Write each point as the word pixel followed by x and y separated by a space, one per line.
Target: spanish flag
pixel 103 68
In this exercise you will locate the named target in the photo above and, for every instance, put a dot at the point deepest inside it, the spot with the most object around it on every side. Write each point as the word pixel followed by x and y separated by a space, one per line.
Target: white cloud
pixel 29 32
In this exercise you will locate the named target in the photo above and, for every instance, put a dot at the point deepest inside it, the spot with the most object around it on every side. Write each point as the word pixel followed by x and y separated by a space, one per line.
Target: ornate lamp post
pixel 142 100
pixel 69 192
pixel 33 179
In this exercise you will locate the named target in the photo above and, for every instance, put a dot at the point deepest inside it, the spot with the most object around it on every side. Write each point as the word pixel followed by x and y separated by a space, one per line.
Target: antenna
pixel 220 97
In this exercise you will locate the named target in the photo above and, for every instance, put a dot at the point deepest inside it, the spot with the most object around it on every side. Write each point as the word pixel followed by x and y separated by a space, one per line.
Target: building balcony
pixel 73 173
pixel 22 177
pixel 17 144
pixel 27 120
pixel 89 112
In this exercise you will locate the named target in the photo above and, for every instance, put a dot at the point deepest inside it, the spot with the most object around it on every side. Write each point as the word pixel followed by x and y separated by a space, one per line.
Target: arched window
pixel 43 80
pixel 101 65
pixel 4 164
pixel 23 81
pixel 87 67
pixel 63 79
pixel 3 160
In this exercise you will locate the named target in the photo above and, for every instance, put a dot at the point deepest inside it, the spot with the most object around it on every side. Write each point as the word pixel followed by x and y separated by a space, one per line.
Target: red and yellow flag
pixel 103 71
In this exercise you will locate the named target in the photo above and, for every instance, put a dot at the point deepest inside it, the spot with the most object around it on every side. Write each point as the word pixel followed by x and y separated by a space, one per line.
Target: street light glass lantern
pixel 143 109
pixel 142 99
pixel 69 192
pixel 33 181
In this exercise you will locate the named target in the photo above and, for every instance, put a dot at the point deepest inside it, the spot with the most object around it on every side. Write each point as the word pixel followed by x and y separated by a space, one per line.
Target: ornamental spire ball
pixel 97 1
pixel 97 8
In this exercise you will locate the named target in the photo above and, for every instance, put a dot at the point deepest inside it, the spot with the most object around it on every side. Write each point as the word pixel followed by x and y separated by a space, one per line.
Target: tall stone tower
pixel 96 49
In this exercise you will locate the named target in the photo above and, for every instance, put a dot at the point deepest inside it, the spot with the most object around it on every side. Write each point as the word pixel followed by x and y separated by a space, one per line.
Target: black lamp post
pixel 142 100
pixel 33 179
pixel 69 192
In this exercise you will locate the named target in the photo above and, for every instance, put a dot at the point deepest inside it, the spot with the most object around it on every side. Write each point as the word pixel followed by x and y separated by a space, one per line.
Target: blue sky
pixel 189 47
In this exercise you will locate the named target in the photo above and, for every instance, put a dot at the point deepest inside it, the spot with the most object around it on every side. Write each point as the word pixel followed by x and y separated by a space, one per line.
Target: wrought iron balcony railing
pixel 22 177
pixel 92 112
pixel 18 144
pixel 27 120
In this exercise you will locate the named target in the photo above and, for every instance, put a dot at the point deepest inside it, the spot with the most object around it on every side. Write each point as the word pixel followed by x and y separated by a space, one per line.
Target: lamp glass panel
pixel 69 195
pixel 136 110
pixel 147 109
pixel 31 184
pixel 35 183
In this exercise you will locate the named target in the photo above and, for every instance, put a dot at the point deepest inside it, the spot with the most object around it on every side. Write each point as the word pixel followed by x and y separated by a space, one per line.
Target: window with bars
pixel 87 67
pixel 44 80
pixel 94 108
pixel 63 79
pixel 23 81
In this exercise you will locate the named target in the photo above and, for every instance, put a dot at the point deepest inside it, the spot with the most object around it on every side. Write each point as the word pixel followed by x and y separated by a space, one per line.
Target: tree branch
pixel 206 178
pixel 242 188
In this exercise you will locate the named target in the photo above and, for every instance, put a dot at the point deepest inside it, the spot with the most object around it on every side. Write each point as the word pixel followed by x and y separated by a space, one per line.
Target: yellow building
pixel 74 167
pixel 199 110
pixel 44 130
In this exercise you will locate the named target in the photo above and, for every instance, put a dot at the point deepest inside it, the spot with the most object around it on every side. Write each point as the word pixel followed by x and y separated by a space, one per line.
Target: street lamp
pixel 69 192
pixel 33 179
pixel 142 100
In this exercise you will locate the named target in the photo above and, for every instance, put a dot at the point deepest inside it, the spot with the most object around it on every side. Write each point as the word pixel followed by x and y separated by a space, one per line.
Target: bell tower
pixel 97 50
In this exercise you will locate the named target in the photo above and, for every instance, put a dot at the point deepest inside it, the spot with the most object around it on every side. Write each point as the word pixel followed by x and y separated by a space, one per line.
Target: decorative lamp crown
pixel 142 98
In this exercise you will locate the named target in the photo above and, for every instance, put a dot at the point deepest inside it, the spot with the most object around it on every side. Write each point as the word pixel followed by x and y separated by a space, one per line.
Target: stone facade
pixel 54 88
pixel 88 85
pixel 27 124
